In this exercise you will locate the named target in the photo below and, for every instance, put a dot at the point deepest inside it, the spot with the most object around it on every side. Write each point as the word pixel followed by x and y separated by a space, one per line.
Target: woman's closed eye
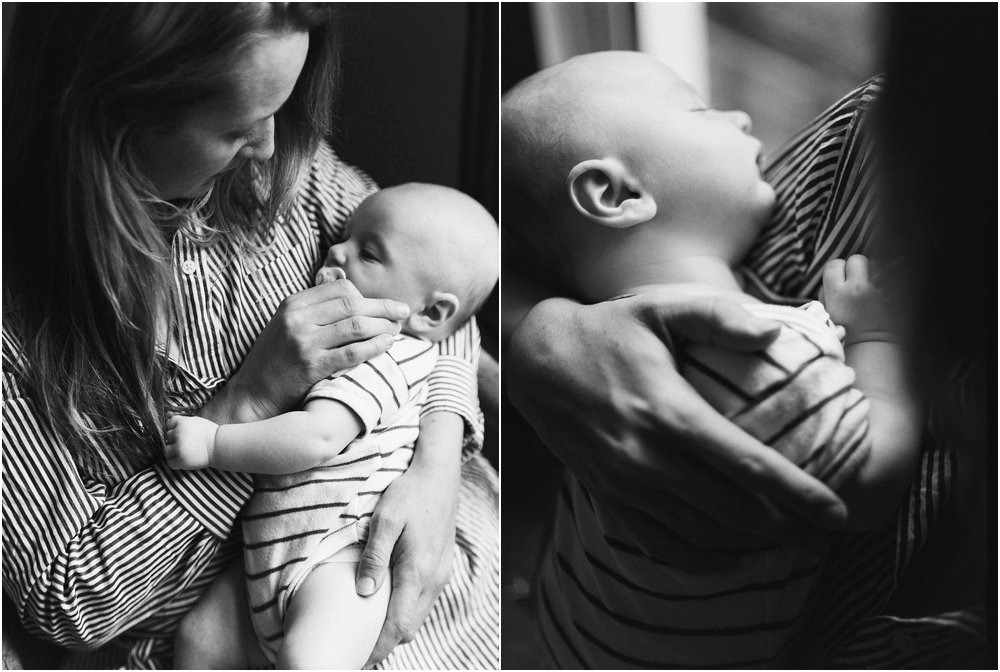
pixel 368 254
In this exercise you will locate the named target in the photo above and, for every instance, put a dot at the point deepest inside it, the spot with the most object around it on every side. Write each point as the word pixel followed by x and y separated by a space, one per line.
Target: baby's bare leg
pixel 217 634
pixel 328 625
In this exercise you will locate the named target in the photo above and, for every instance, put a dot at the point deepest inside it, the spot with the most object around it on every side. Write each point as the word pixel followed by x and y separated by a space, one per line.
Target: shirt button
pixel 189 267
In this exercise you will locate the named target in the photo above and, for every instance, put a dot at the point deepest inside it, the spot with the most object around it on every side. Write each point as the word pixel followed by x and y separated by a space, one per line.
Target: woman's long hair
pixel 86 256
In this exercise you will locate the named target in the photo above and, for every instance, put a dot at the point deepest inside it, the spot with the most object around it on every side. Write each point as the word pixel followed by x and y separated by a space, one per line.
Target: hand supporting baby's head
pixel 428 246
pixel 610 161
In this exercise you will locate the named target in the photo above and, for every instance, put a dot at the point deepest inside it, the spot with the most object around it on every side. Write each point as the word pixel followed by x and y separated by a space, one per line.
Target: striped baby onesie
pixel 608 604
pixel 297 521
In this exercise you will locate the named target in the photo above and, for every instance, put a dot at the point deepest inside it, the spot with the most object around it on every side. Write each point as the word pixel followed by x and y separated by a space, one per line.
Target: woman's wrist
pixel 439 447
pixel 237 403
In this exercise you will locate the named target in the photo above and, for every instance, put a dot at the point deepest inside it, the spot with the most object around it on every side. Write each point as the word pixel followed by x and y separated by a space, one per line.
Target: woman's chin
pixel 189 192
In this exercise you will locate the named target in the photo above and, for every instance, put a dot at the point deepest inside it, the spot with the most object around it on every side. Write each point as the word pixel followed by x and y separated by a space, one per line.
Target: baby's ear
pixel 441 307
pixel 604 191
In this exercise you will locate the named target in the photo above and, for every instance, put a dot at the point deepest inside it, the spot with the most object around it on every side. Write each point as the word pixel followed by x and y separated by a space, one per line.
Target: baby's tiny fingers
pixel 834 272
pixel 857 268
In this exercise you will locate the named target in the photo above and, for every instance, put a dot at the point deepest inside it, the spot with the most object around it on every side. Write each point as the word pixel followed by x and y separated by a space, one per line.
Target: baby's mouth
pixel 330 274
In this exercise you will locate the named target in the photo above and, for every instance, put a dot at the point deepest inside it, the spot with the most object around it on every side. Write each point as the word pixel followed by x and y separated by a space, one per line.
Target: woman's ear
pixel 441 307
pixel 603 191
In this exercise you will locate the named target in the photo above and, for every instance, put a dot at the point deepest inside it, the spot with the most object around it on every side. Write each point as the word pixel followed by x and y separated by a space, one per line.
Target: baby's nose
pixel 740 120
pixel 337 255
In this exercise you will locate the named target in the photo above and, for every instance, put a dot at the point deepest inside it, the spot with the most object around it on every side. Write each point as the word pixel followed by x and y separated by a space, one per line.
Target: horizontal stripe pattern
pixel 81 562
pixel 823 181
pixel 620 607
pixel 336 501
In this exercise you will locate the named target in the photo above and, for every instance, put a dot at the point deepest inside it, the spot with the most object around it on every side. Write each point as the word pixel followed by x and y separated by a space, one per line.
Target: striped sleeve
pixel 376 390
pixel 81 561
pixel 453 385
pixel 796 396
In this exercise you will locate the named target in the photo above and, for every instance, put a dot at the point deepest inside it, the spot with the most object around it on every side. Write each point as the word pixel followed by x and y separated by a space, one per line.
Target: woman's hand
pixel 413 530
pixel 600 386
pixel 313 334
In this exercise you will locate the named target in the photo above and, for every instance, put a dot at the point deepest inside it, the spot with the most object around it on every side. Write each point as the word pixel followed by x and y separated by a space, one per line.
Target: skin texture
pixel 430 247
pixel 313 333
pixel 656 167
pixel 183 160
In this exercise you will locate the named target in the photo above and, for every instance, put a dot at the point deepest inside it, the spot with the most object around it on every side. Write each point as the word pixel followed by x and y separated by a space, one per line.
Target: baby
pixel 619 179
pixel 322 469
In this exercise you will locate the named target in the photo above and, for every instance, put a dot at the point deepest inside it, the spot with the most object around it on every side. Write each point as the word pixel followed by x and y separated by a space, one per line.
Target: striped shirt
pixel 616 603
pixel 91 560
pixel 823 179
pixel 297 521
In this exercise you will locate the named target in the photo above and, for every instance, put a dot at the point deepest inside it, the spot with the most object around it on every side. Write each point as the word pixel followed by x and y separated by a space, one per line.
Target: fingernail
pixel 404 310
pixel 366 586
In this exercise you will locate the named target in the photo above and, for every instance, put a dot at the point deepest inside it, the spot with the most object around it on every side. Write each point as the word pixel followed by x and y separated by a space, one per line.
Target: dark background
pixel 419 101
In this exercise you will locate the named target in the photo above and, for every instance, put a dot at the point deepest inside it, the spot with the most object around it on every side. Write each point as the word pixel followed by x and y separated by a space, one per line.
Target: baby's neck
pixel 695 273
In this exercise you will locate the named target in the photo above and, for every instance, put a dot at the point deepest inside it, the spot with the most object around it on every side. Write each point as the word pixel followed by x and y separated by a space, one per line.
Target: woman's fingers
pixel 755 467
pixel 344 307
pixel 382 535
pixel 340 299
pixel 354 329
pixel 711 321
pixel 834 272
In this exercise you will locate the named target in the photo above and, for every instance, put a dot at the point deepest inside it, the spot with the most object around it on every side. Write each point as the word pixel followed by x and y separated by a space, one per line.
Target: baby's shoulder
pixel 415 357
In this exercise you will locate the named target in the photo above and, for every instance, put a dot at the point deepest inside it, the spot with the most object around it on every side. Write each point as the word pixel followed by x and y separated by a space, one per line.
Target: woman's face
pixel 184 160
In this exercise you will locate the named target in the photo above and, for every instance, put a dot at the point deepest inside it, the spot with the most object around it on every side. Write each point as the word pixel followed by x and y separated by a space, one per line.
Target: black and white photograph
pixel 245 246
pixel 747 250
pixel 498 335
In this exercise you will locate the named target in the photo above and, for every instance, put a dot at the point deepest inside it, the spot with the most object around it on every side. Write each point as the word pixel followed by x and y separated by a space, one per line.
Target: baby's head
pixel 611 163
pixel 428 246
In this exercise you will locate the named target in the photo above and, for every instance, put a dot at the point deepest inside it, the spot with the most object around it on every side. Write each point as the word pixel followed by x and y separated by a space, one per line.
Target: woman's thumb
pixel 382 538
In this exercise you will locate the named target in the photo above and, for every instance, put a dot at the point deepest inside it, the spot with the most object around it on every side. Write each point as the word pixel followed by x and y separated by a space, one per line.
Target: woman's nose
pixel 261 144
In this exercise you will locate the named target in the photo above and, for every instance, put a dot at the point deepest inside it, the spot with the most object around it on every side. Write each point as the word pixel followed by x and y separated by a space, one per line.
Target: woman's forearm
pixel 439 446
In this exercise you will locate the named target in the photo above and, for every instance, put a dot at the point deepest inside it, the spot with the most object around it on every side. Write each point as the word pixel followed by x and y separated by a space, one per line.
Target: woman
pixel 169 158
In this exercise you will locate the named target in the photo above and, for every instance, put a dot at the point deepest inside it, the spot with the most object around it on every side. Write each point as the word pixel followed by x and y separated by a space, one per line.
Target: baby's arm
pixel 285 444
pixel 873 351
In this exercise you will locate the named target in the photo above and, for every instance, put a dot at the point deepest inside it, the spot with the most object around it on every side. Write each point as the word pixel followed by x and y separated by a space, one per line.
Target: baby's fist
pixel 190 441
pixel 854 302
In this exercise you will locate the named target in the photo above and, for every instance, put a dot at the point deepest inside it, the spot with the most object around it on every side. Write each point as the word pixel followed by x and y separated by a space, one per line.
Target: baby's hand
pixel 854 302
pixel 190 441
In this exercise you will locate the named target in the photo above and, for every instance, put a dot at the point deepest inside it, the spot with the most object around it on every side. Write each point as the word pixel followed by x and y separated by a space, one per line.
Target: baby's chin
pixel 765 199
pixel 330 274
